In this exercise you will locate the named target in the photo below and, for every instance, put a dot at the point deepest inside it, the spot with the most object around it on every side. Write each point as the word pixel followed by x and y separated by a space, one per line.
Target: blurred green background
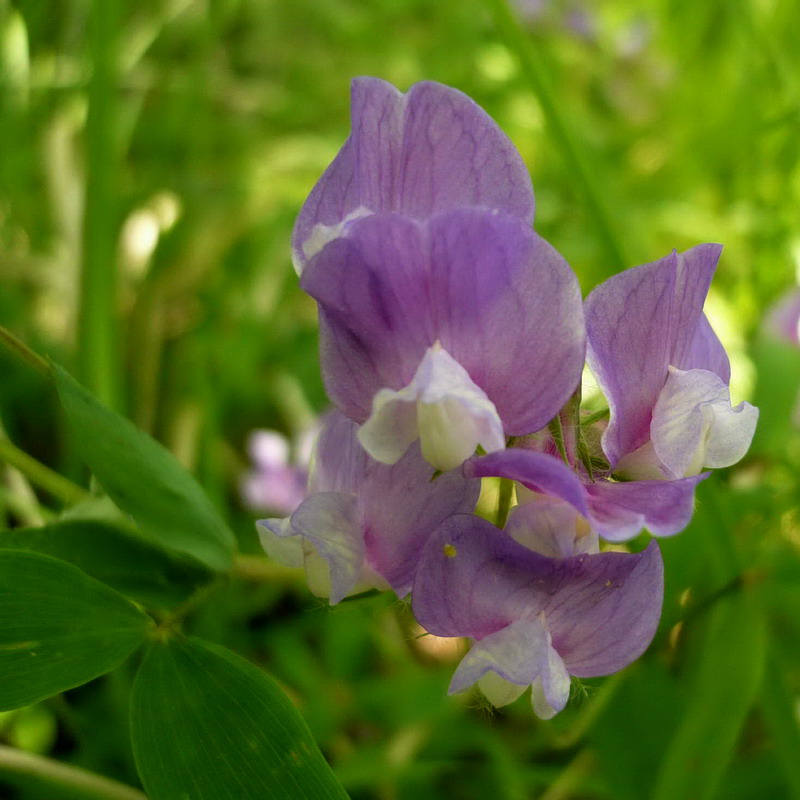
pixel 153 156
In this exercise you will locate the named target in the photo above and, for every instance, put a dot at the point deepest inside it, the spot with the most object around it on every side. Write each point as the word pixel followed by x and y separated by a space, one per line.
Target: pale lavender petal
pixel 601 610
pixel 339 463
pixel 551 527
pixel 628 325
pixel 517 653
pixel 400 506
pixel 428 150
pixel 620 509
pixel 536 471
pixel 783 319
pixel 278 489
pixel 268 449
pixel 330 522
pixel 694 424
pixel 706 352
pixel 496 296
pixel 550 690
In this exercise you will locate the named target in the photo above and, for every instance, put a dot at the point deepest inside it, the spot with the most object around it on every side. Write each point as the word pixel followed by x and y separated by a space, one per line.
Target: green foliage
pixel 190 133
pixel 143 478
pixel 117 556
pixel 59 628
pixel 721 688
pixel 208 725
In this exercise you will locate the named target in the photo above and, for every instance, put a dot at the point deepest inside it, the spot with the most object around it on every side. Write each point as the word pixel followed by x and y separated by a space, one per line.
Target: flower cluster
pixel 452 344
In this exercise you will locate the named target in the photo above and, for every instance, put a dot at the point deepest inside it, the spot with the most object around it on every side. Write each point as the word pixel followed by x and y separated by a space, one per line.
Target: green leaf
pixel 143 478
pixel 207 725
pixel 132 565
pixel 779 713
pixel 722 690
pixel 59 628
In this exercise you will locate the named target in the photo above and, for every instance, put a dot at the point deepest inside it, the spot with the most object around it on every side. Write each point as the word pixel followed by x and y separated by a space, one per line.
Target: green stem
pixel 557 432
pixel 21 350
pixel 98 358
pixel 590 419
pixel 44 477
pixel 261 570
pixel 62 778
pixel 536 75
pixel 504 501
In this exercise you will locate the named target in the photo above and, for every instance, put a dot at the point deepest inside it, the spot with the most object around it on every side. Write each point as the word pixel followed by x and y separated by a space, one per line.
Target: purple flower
pixel 535 619
pixel 664 371
pixel 443 317
pixel 458 330
pixel 363 523
pixel 783 319
pixel 428 150
pixel 616 510
pixel 278 482
pixel 665 375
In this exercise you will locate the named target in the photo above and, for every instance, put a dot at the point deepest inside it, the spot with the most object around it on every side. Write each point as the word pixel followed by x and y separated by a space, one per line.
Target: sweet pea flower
pixel 666 376
pixel 363 524
pixel 535 619
pixel 664 371
pixel 416 154
pixel 443 317
pixel 783 319
pixel 278 479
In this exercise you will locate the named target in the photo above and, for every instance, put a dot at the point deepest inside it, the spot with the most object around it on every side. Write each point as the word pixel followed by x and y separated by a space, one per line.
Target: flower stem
pixel 260 569
pixel 26 767
pixel 44 477
pixel 504 501
pixel 21 350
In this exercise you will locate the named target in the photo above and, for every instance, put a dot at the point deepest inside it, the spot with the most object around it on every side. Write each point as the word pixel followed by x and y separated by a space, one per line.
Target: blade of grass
pixel 571 150
pixel 98 356
pixel 26 768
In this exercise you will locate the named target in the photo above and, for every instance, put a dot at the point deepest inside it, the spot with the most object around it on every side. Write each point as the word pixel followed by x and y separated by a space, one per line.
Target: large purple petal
pixel 628 323
pixel 619 510
pixel 536 471
pixel 601 610
pixel 640 322
pixel 496 296
pixel 428 150
pixel 401 505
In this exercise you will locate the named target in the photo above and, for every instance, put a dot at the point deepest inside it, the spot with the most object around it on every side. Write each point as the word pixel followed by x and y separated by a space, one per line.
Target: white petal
pixel 517 653
pixel 392 426
pixel 550 691
pixel 551 527
pixel 279 541
pixel 498 691
pixel 330 522
pixel 695 426
pixel 442 406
